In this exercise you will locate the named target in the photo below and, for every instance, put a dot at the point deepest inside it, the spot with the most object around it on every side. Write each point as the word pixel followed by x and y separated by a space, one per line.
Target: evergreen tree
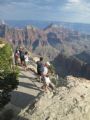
pixel 8 74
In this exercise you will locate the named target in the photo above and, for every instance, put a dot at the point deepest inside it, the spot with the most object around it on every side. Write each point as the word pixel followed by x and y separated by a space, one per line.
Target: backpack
pixel 40 66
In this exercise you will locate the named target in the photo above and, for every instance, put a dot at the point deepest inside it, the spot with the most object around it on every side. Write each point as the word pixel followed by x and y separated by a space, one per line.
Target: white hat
pixel 48 63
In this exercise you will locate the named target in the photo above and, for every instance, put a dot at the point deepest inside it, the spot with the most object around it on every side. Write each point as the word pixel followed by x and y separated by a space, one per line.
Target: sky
pixel 52 10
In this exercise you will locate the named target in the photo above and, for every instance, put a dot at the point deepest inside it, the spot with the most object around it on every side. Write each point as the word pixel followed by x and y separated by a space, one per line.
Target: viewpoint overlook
pixel 68 51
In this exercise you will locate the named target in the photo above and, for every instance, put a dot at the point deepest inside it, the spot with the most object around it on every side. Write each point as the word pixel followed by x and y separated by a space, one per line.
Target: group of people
pixel 43 72
pixel 21 57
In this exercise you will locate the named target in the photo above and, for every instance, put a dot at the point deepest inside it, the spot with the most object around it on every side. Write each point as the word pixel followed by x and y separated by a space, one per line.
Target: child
pixel 48 84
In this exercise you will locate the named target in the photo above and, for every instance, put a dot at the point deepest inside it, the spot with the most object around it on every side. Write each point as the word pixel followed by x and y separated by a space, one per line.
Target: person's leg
pixel 45 84
pixel 40 76
pixel 44 87
pixel 21 61
pixel 25 65
pixel 15 61
pixel 51 86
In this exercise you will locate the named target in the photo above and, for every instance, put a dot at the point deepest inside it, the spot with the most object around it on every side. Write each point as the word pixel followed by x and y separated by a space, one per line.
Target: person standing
pixel 26 56
pixel 16 55
pixel 22 59
pixel 46 80
pixel 40 67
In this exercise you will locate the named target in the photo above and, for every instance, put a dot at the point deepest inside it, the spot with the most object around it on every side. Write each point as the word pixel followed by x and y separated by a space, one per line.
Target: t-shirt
pixel 47 80
pixel 45 72
pixel 26 58
pixel 40 66
pixel 21 54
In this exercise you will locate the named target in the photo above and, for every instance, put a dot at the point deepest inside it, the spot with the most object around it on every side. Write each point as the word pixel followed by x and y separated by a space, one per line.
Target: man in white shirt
pixel 45 72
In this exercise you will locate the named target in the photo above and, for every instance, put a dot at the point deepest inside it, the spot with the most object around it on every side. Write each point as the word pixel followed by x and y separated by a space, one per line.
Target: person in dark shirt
pixel 22 59
pixel 40 66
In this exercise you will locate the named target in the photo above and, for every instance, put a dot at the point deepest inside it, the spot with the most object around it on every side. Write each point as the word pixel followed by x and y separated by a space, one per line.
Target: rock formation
pixel 63 39
pixel 72 65
pixel 70 102
pixel 52 41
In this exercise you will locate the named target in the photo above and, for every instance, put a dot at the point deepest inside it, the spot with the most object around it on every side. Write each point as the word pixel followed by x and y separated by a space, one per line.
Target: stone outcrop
pixel 70 102
pixel 72 66
pixel 33 37
pixel 51 41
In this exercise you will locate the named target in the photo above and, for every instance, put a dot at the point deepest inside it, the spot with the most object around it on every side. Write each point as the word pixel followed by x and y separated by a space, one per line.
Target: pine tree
pixel 8 74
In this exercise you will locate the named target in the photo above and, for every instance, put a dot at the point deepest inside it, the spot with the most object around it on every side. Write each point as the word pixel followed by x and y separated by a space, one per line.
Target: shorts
pixel 26 63
pixel 22 59
pixel 39 73
pixel 47 81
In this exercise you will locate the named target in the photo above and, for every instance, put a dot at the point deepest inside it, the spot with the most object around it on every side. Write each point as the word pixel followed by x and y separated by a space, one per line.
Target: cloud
pixel 74 1
pixel 6 2
pixel 77 6
pixel 58 10
pixel 2 2
pixel 77 10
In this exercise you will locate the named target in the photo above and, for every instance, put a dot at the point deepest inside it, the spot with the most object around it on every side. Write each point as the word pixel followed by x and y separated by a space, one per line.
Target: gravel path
pixel 27 90
pixel 23 96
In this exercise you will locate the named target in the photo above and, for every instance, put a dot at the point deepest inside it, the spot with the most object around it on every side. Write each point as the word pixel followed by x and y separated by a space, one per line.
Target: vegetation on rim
pixel 8 74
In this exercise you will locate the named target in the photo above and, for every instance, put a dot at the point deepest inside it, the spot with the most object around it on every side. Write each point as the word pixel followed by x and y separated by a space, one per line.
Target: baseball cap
pixel 48 63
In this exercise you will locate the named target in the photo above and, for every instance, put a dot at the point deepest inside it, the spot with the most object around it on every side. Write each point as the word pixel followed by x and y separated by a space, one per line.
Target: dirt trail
pixel 27 90
pixel 25 94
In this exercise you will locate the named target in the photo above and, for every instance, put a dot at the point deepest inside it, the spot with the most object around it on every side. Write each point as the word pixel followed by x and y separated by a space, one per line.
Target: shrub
pixel 8 75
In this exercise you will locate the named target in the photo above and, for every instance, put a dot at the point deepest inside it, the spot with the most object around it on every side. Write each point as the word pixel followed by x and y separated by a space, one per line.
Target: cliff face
pixel 72 66
pixel 71 102
pixel 63 39
pixel 52 35
pixel 51 41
